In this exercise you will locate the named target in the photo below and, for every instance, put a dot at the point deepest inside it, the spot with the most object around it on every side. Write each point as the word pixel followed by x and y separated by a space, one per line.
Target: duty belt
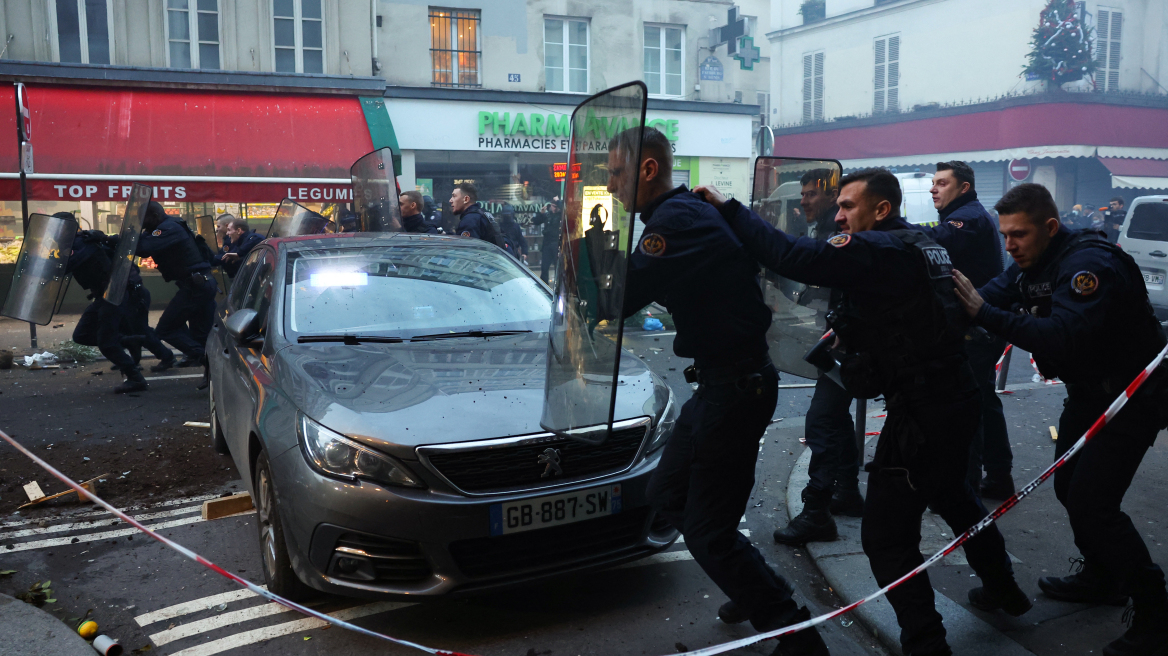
pixel 728 373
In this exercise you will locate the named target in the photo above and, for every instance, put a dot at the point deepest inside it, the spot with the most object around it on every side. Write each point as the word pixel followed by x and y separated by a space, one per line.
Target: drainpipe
pixel 373 31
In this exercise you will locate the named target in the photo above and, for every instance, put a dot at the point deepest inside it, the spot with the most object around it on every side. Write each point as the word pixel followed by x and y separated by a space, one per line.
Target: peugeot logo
pixel 551 458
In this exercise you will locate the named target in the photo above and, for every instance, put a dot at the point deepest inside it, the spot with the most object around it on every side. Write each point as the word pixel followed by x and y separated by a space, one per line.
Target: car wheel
pixel 277 566
pixel 218 439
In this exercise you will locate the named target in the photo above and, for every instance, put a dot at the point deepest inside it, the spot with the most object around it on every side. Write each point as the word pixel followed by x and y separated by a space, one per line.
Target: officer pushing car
pixel 900 334
pixel 1068 295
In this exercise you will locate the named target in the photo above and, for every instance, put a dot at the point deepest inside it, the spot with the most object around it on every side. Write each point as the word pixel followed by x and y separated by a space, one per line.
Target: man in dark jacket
pixel 513 233
pixel 240 240
pixel 549 248
pixel 966 230
pixel 413 219
pixel 472 220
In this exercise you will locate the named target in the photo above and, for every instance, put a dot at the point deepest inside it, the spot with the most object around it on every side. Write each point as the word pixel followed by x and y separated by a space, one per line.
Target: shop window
pixel 1108 31
pixel 81 28
pixel 455 48
pixel 813 87
pixel 565 55
pixel 664 60
pixel 298 36
pixel 192 33
pixel 887 75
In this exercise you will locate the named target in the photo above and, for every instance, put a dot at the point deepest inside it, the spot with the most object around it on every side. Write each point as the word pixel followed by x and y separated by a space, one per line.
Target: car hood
pixel 395 397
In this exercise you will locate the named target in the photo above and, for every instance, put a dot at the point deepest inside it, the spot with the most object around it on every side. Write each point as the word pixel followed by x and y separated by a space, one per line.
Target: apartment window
pixel 82 31
pixel 1108 31
pixel 455 49
pixel 192 33
pixel 565 54
pixel 664 60
pixel 887 75
pixel 298 35
pixel 813 87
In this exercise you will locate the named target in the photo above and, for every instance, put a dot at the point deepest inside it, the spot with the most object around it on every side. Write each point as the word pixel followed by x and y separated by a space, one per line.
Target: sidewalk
pixel 30 631
pixel 14 335
pixel 1038 539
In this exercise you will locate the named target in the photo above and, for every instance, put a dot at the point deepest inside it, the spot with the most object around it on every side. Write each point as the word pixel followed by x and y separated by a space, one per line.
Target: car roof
pixel 363 239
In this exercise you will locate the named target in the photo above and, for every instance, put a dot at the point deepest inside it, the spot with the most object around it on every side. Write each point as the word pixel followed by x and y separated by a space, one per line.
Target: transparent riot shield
pixel 40 275
pixel 115 292
pixel 375 192
pixel 293 219
pixel 798 197
pixel 595 239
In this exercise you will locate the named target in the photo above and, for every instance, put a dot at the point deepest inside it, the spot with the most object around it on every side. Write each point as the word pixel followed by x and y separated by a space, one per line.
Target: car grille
pixel 549 547
pixel 510 465
pixel 394 561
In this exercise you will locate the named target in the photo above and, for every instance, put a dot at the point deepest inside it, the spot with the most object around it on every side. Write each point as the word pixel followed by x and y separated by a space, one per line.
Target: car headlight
pixel 333 454
pixel 663 424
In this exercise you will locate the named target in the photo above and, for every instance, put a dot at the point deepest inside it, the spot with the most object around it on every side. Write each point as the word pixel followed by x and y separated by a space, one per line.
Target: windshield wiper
pixel 349 340
pixel 468 333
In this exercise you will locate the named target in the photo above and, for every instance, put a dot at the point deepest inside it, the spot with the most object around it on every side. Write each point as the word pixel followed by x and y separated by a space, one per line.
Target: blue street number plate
pixel 544 512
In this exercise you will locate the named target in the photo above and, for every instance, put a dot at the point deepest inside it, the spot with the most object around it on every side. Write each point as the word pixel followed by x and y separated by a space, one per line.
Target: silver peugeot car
pixel 381 395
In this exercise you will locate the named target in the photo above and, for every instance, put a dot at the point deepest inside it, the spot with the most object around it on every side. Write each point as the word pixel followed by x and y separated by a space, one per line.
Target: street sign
pixel 25 112
pixel 1019 169
pixel 26 157
pixel 711 69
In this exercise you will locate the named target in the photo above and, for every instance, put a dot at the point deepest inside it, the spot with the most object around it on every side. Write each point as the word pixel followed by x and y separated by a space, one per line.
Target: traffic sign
pixel 25 112
pixel 1019 169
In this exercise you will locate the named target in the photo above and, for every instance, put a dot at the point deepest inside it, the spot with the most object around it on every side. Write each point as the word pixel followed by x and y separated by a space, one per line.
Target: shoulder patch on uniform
pixel 652 244
pixel 1085 283
pixel 156 233
pixel 466 233
pixel 840 240
pixel 956 224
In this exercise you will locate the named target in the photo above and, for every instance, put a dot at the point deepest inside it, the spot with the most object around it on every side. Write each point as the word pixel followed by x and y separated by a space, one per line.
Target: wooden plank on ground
pixel 224 506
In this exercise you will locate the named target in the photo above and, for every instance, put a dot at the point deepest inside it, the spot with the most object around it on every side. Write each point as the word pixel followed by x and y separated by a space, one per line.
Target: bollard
pixel 1004 372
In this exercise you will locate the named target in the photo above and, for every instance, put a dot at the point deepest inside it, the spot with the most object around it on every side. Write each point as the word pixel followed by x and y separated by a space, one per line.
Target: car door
pixel 239 390
pixel 220 345
pixel 1144 236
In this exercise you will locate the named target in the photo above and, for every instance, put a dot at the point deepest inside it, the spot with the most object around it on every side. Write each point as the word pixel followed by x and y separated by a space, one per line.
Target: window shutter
pixel 1108 36
pixel 893 78
pixel 819 86
pixel 881 67
pixel 808 81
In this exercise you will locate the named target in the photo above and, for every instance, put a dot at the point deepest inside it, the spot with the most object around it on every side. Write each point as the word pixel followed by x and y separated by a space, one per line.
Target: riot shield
pixel 796 196
pixel 375 192
pixel 140 194
pixel 293 219
pixel 40 275
pixel 595 239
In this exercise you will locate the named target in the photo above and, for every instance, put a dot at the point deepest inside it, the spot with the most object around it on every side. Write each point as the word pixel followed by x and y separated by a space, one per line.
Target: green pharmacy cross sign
pixel 747 53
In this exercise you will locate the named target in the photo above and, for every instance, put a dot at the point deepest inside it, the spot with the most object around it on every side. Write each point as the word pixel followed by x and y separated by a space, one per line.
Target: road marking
pixel 77 526
pixel 216 622
pixel 99 513
pixel 95 537
pixel 744 531
pixel 194 606
pixel 174 377
pixel 655 559
pixel 269 632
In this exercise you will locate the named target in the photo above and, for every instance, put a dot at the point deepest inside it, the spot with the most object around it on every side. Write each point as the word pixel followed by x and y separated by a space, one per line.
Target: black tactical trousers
pixel 136 321
pixel 831 436
pixel 100 326
pixel 891 528
pixel 1091 486
pixel 991 444
pixel 703 483
pixel 186 321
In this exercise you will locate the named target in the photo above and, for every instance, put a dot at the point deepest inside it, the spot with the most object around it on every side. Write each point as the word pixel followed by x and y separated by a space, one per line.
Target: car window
pixel 242 278
pixel 259 292
pixel 410 289
pixel 1149 222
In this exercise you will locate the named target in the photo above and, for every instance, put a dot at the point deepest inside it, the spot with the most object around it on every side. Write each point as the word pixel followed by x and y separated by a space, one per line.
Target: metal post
pixel 23 191
pixel 1004 372
pixel 861 428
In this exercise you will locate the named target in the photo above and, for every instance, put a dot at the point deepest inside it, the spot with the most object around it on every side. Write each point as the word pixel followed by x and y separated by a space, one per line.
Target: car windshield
pixel 406 290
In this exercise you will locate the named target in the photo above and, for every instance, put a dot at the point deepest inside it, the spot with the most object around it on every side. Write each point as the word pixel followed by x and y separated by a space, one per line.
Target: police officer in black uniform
pixel 187 320
pixel 901 336
pixel 1079 305
pixel 688 261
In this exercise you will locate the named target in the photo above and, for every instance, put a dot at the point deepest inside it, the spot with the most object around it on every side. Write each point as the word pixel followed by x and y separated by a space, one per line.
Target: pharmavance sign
pixel 537 131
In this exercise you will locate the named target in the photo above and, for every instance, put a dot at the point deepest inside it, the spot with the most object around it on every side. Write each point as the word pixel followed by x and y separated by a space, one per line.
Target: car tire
pixel 278 573
pixel 218 438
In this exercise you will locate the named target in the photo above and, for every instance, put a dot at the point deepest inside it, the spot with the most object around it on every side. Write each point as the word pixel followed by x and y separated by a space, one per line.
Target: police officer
pixel 549 248
pixel 688 261
pixel 413 220
pixel 472 220
pixel 1078 294
pixel 966 230
pixel 187 320
pixel 901 336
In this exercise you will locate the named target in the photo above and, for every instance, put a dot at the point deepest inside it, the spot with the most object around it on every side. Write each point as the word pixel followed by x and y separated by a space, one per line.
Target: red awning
pixel 92 143
pixel 1051 129
pixel 1137 173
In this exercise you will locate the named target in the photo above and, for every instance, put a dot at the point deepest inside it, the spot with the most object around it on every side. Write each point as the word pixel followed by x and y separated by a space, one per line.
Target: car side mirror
pixel 243 325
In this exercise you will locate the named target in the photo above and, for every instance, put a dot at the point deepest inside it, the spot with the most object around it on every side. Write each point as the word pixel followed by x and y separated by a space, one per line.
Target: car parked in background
pixel 1144 236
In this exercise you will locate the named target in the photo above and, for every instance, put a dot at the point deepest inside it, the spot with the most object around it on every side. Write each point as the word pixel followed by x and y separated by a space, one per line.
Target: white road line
pixel 194 606
pixel 174 377
pixel 268 632
pixel 91 524
pixel 655 559
pixel 95 537
pixel 216 622
pixel 98 513
pixel 744 531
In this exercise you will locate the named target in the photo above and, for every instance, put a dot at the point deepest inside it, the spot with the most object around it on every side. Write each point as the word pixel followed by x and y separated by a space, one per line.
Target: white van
pixel 1144 236
pixel 916 206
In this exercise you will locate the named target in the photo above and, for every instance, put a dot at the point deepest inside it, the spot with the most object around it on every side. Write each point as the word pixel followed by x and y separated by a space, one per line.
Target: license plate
pixel 544 512
pixel 1154 278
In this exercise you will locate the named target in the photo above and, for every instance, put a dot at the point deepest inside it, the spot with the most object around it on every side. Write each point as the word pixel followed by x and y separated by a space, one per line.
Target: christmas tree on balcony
pixel 1062 47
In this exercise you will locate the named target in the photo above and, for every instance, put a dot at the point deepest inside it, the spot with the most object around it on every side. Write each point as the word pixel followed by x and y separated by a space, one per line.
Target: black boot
pixel 814 524
pixel 190 361
pixel 997 486
pixel 1087 585
pixel 732 613
pixel 1147 634
pixel 807 642
pixel 134 381
pixel 847 501
pixel 162 365
pixel 1006 596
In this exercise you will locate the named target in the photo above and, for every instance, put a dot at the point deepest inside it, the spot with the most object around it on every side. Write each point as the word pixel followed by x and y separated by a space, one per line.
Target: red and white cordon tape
pixel 1048 381
pixel 263 592
pixel 998 366
pixel 1107 416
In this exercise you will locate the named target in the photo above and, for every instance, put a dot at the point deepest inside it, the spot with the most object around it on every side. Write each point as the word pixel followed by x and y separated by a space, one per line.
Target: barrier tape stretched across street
pixel 1103 420
pixel 263 592
pixel 1048 381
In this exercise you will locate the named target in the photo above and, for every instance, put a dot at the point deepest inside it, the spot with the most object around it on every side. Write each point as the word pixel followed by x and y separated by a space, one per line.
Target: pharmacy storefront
pixel 514 146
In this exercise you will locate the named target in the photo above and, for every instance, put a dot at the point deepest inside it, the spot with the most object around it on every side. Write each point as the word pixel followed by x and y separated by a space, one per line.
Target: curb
pixel 845 568
pixel 30 631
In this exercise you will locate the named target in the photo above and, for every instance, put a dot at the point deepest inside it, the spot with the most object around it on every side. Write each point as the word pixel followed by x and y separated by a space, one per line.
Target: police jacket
pixel 1082 311
pixel 689 261
pixel 241 248
pixel 473 223
pixel 92 260
pixel 417 223
pixel 551 230
pixel 513 233
pixel 893 302
pixel 968 233
pixel 172 246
